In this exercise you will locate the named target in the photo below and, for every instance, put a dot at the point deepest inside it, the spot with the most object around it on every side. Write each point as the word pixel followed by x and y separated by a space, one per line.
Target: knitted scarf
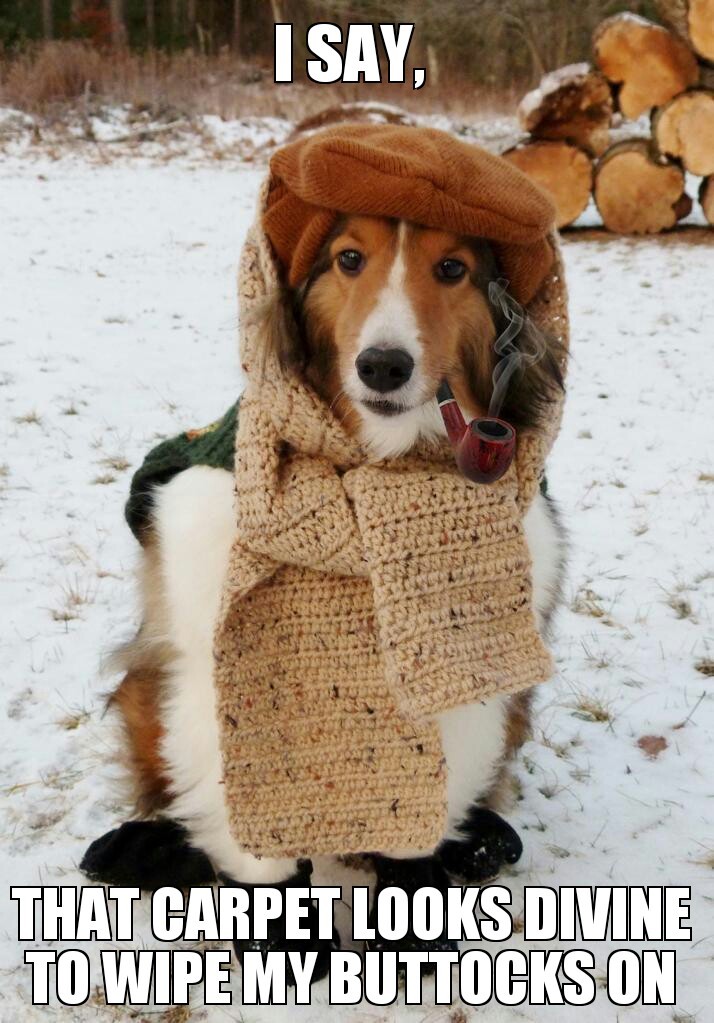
pixel 360 601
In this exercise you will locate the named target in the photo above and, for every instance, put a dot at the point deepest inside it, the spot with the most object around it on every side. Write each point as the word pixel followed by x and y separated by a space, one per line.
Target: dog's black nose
pixel 384 369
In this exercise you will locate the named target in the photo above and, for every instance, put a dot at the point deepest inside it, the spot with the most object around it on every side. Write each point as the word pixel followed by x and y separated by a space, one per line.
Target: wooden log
pixel 562 170
pixel 637 191
pixel 373 113
pixel 684 128
pixel 693 20
pixel 572 104
pixel 652 64
pixel 706 198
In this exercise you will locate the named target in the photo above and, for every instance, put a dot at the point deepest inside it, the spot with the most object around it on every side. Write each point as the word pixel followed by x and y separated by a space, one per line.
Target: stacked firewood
pixel 584 122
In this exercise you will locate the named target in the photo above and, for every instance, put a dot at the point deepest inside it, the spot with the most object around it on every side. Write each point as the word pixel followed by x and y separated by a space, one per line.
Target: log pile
pixel 639 68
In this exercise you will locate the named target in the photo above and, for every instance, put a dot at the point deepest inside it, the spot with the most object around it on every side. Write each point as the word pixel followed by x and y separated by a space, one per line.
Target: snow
pixel 117 327
pixel 549 84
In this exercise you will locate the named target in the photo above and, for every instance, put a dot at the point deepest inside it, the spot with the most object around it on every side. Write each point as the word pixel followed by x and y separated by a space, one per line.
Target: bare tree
pixel 116 14
pixel 236 26
pixel 150 23
pixel 191 17
pixel 47 26
pixel 175 20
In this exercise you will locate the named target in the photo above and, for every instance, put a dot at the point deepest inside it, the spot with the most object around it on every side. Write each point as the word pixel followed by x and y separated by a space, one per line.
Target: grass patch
pixel 707 860
pixel 600 661
pixel 591 707
pixel 70 722
pixel 64 614
pixel 75 597
pixel 116 462
pixel 29 419
pixel 681 607
pixel 104 479
pixel 705 666
pixel 587 602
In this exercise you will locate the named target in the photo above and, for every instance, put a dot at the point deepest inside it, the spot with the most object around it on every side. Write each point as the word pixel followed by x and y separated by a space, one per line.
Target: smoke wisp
pixel 512 357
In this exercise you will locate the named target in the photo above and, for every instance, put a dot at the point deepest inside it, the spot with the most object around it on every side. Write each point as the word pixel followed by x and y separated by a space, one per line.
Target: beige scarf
pixel 361 600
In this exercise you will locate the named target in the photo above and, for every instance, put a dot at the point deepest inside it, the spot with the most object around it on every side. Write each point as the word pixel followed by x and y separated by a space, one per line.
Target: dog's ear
pixel 283 336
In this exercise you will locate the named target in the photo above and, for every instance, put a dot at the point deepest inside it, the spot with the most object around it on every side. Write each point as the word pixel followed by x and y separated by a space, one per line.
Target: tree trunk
pixel 47 26
pixel 652 64
pixel 150 23
pixel 432 63
pixel 706 198
pixel 175 20
pixel 564 171
pixel 236 35
pixel 116 14
pixel 75 10
pixel 573 104
pixel 684 128
pixel 693 20
pixel 191 17
pixel 638 192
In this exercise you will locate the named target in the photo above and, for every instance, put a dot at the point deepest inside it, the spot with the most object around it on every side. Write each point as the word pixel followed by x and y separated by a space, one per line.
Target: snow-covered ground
pixel 117 327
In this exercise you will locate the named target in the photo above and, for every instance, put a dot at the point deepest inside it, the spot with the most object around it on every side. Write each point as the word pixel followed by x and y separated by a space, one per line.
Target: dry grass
pixel 50 76
pixel 116 462
pixel 32 418
pixel 590 708
pixel 705 666
pixel 587 602
pixel 75 596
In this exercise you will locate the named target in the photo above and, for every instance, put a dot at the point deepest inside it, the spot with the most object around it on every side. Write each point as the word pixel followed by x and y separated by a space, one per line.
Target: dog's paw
pixel 410 875
pixel 489 842
pixel 276 939
pixel 147 855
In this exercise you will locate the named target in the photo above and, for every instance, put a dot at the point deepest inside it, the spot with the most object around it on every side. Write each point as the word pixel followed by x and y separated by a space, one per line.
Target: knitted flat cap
pixel 417 174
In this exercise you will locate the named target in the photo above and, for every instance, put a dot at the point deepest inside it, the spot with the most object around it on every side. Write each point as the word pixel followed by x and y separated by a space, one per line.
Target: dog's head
pixel 388 310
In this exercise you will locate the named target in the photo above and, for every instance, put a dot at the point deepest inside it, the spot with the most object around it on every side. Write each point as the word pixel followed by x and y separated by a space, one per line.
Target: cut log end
pixel 573 104
pixel 372 113
pixel 637 192
pixel 701 27
pixel 562 170
pixel 693 20
pixel 684 128
pixel 706 198
pixel 652 64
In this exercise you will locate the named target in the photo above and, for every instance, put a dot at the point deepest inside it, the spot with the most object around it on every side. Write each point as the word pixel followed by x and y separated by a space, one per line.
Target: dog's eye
pixel 451 270
pixel 351 261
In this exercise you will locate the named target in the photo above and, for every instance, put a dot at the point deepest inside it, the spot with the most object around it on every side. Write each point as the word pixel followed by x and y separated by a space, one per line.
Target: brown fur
pixel 519 713
pixel 138 696
pixel 137 700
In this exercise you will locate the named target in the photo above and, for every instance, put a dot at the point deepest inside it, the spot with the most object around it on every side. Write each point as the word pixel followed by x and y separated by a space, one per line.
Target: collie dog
pixel 387 312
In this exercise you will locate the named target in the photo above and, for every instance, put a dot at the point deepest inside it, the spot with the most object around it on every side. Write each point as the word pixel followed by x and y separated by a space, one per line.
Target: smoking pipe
pixel 484 448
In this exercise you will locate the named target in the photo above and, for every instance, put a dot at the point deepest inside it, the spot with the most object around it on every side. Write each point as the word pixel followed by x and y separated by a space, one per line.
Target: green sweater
pixel 213 445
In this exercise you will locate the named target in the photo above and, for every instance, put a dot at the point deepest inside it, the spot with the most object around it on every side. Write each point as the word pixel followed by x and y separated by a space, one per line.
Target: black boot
pixel 409 875
pixel 488 843
pixel 147 855
pixel 276 940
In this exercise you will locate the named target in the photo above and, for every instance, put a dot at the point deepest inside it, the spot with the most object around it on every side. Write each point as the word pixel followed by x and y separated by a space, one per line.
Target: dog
pixel 388 310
